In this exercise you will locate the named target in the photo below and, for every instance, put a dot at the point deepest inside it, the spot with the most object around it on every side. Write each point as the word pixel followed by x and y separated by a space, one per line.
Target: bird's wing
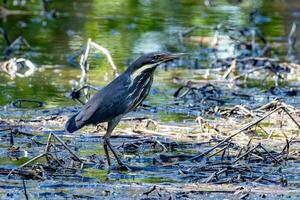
pixel 103 106
pixel 89 109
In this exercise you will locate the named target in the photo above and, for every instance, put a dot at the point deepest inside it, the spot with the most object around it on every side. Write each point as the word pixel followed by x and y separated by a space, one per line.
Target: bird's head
pixel 147 63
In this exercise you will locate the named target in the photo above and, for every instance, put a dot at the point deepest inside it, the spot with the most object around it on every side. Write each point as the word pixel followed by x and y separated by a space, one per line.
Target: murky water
pixel 127 29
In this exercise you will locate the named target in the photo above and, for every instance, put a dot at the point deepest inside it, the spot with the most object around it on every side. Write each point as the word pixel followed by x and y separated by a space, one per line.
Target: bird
pixel 122 95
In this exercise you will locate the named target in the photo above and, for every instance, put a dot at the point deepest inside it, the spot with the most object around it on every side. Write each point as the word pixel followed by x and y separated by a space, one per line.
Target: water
pixel 127 29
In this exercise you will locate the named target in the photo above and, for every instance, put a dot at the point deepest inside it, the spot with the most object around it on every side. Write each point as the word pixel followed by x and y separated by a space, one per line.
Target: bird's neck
pixel 141 73
pixel 137 79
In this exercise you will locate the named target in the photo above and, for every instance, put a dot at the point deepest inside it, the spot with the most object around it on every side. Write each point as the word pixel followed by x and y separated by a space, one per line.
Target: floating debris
pixel 18 67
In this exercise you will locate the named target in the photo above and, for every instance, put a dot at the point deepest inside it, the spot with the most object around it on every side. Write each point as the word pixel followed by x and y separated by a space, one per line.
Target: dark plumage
pixel 119 97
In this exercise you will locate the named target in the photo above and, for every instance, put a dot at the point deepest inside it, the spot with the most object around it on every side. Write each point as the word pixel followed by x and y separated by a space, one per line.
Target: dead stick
pixel 249 72
pixel 247 126
pixel 25 190
pixel 27 163
pixel 263 130
pixel 248 144
pixel 292 118
pixel 70 150
pixel 47 148
pixel 246 153
pixel 269 154
pixel 274 102
pixel 11 139
pixel 151 190
pixel 257 156
pixel 108 56
pixel 240 151
pixel 211 177
pixel 230 69
pixel 32 160
pixel 84 63
pixel 222 149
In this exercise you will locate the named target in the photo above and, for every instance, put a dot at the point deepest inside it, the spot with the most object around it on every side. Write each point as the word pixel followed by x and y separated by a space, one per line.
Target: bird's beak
pixel 171 56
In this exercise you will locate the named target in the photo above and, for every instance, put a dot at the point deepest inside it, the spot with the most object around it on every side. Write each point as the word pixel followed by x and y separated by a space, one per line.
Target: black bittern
pixel 119 97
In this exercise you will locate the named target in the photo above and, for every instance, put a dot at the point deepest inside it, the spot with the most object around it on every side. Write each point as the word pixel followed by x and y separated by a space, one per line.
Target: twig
pixel 11 139
pixel 64 144
pixel 32 160
pixel 269 105
pixel 47 148
pixel 27 163
pixel 151 190
pixel 211 177
pixel 25 190
pixel 261 128
pixel 162 146
pixel 261 146
pixel 84 65
pixel 230 69
pixel 249 72
pixel 247 126
pixel 108 56
pixel 292 39
pixel 220 150
pixel 246 153
pixel 292 118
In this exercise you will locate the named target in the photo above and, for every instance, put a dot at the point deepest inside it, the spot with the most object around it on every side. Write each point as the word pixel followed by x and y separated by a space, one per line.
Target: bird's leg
pixel 110 127
pixel 120 162
pixel 106 152
pixel 106 149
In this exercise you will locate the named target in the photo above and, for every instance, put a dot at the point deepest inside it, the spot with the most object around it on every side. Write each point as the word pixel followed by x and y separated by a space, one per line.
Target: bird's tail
pixel 71 125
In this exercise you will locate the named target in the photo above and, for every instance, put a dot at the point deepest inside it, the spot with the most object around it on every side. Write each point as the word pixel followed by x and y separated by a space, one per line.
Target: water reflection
pixel 126 28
